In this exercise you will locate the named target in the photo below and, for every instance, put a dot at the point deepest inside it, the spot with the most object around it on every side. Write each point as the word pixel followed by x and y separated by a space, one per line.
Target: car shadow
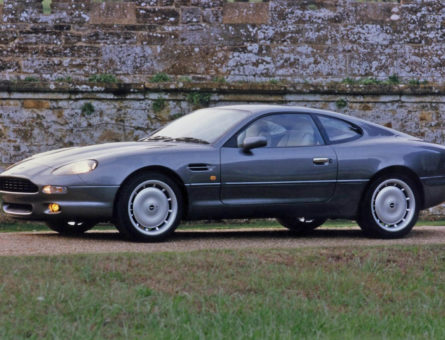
pixel 266 234
pixel 239 234
pixel 184 234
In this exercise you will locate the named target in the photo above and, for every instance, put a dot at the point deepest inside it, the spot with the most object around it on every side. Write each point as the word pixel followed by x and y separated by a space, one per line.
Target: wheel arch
pixel 399 170
pixel 163 170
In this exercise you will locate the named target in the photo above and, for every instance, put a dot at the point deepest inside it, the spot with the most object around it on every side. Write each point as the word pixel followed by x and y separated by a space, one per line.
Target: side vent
pixel 198 167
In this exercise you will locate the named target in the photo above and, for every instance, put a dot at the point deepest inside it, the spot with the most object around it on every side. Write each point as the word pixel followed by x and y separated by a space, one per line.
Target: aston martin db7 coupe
pixel 299 165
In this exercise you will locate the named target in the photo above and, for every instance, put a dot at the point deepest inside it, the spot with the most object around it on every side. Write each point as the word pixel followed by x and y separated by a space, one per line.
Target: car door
pixel 294 167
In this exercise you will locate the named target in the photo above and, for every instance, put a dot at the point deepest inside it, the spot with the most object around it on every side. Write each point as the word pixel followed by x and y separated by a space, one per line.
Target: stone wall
pixel 305 40
pixel 42 116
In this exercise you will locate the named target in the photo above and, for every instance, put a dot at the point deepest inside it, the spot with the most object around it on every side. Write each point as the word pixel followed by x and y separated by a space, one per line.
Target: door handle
pixel 321 160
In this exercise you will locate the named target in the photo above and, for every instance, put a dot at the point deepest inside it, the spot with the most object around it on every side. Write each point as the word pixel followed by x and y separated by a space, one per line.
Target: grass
pixel 46 4
pixel 393 79
pixel 219 79
pixel 31 79
pixel 227 224
pixel 103 78
pixel 67 79
pixel 199 99
pixel 341 103
pixel 159 104
pixel 160 78
pixel 87 109
pixel 334 293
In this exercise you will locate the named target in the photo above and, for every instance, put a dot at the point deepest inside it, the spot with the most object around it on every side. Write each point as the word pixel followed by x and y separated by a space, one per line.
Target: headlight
pixel 76 168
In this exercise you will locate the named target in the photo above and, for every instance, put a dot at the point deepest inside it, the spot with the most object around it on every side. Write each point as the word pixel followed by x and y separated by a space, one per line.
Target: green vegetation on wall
pixel 87 109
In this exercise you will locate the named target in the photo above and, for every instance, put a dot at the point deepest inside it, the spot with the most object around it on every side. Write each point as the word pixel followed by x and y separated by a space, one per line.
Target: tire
pixel 301 224
pixel 149 207
pixel 390 207
pixel 65 227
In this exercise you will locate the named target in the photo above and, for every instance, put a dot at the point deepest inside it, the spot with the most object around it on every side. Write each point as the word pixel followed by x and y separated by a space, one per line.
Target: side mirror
pixel 254 142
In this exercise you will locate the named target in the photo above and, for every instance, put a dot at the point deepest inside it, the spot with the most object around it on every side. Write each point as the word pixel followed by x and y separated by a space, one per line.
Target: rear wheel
pixel 149 207
pixel 301 224
pixel 66 227
pixel 390 207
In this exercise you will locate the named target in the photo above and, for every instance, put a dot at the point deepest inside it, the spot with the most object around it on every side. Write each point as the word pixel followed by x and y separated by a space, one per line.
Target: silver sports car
pixel 295 164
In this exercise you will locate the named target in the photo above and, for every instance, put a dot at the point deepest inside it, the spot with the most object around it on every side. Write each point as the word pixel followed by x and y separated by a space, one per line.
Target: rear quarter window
pixel 339 131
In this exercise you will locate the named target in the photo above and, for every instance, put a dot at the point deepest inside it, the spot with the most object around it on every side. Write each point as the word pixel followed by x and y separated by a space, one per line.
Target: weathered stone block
pixel 372 12
pixel 7 36
pixel 309 62
pixel 180 3
pixel 156 38
pixel 36 104
pixel 72 66
pixel 417 61
pixel 113 13
pixel 308 12
pixel 161 16
pixel 251 61
pixel 246 13
pixel 315 33
pixel 39 38
pixel 71 11
pixel 207 3
pixel 22 10
pixel 21 51
pixel 8 65
pixel 70 38
pixel 190 15
pixel 212 16
pixel 153 3
pixel 374 61
pixel 180 60
pixel 236 35
pixel 129 60
pixel 109 38
pixel 80 51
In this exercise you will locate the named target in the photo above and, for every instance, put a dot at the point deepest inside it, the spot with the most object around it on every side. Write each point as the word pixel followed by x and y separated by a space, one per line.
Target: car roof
pixel 259 109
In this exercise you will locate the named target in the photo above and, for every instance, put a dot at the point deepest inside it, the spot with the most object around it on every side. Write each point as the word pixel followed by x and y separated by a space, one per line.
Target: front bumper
pixel 79 203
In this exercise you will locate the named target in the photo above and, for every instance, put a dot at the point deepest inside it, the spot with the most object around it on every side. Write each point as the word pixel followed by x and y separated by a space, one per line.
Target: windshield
pixel 202 126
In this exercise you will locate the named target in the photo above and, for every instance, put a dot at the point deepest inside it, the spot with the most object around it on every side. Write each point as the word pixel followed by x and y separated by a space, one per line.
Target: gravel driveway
pixel 49 243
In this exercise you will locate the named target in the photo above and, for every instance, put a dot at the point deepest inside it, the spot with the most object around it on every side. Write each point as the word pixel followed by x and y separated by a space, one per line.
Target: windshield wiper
pixel 163 138
pixel 191 140
pixel 179 139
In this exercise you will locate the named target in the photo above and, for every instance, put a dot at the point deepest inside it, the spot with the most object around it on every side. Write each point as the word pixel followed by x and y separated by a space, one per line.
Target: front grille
pixel 13 184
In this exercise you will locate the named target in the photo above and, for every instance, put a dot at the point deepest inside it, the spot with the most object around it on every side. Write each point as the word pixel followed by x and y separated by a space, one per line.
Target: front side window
pixel 283 130
pixel 339 130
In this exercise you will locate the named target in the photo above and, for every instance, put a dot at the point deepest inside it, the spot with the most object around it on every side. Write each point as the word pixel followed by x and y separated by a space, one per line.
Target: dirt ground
pixel 49 243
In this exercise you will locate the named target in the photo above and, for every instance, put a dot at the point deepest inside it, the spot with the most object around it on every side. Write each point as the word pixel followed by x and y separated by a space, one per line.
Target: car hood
pixel 56 158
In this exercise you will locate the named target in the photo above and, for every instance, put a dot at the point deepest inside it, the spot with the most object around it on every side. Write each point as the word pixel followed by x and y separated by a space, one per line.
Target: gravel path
pixel 49 243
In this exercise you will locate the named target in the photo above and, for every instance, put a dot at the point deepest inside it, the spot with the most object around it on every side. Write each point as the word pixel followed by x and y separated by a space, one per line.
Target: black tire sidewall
pixel 366 219
pixel 123 220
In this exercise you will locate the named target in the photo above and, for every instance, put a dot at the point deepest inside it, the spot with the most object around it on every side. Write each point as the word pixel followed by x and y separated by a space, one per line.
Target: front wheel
pixel 149 207
pixel 301 224
pixel 390 207
pixel 65 227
